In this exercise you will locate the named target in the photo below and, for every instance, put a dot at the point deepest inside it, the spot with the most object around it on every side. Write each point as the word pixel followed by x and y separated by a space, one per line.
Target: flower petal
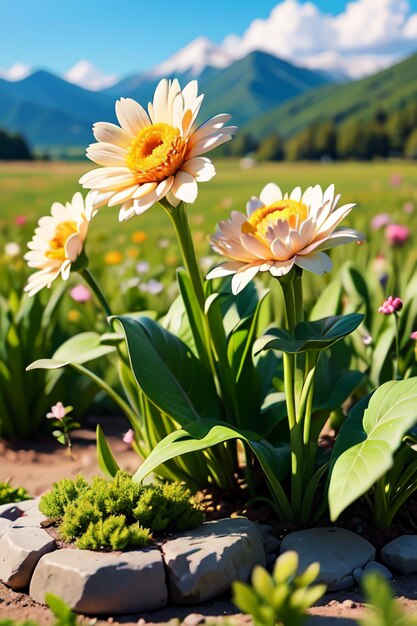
pixel 270 193
pixel 185 187
pixel 131 115
pixel 243 278
pixel 316 262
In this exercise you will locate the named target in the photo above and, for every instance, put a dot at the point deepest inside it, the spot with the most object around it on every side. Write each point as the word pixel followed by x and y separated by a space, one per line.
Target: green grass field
pixel 30 189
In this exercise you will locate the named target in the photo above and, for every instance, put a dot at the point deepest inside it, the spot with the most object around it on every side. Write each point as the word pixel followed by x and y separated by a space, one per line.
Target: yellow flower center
pixel 263 218
pixel 63 231
pixel 156 153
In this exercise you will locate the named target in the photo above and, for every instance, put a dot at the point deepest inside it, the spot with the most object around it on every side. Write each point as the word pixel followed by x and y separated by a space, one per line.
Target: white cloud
pixel 367 36
pixel 197 55
pixel 17 71
pixel 84 74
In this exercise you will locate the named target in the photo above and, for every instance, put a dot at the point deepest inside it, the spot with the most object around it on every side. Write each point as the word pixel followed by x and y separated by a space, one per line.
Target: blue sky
pixel 125 36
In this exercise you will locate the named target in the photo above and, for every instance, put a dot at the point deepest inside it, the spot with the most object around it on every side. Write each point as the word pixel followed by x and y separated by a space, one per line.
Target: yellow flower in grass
pixel 58 242
pixel 139 236
pixel 279 232
pixel 154 154
pixel 113 258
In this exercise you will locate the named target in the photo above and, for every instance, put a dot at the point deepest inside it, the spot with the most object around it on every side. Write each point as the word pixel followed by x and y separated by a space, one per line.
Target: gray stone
pixel 14 510
pixel 401 553
pixel 338 551
pixel 202 563
pixel 357 575
pixel 100 583
pixel 20 550
pixel 374 566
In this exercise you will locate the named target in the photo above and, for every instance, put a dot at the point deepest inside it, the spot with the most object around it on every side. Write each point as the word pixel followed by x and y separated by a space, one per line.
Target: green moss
pixel 118 514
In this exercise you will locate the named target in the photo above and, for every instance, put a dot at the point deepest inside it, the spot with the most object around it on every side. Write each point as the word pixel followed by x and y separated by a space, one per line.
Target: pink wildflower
pixel 396 180
pixel 414 335
pixel 129 436
pixel 380 220
pixel 392 304
pixel 80 293
pixel 408 207
pixel 397 234
pixel 57 412
pixel 20 220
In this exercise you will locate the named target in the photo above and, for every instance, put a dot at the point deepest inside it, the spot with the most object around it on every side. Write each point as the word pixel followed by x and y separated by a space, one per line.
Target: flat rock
pixel 379 568
pixel 338 551
pixel 98 583
pixel 203 562
pixel 20 550
pixel 401 553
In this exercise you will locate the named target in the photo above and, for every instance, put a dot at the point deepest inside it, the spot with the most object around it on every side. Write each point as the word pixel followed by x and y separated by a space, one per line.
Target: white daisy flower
pixel 279 232
pixel 156 154
pixel 58 242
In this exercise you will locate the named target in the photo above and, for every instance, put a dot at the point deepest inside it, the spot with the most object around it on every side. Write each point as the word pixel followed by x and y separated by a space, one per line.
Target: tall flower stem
pixel 292 310
pixel 92 283
pixel 397 347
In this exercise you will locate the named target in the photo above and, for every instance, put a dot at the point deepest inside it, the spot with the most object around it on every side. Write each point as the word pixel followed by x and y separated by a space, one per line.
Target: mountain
pixel 255 84
pixel 246 88
pixel 389 90
pixel 50 111
pixel 85 74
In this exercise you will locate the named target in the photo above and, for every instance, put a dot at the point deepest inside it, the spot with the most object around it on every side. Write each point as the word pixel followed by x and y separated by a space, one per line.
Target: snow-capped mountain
pixel 17 71
pixel 193 59
pixel 85 74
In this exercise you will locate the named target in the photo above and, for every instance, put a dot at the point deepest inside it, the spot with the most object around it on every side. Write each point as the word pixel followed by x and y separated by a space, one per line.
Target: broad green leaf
pixel 168 372
pixel 391 412
pixel 79 349
pixel 207 433
pixel 106 460
pixel 329 301
pixel 318 335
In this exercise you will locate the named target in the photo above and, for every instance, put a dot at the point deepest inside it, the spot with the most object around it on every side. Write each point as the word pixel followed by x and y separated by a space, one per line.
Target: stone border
pixel 191 567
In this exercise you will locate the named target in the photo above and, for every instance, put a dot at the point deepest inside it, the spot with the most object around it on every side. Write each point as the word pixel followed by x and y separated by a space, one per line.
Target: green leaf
pixel 318 335
pixel 391 412
pixel 79 349
pixel 208 433
pixel 106 460
pixel 168 372
pixel 60 610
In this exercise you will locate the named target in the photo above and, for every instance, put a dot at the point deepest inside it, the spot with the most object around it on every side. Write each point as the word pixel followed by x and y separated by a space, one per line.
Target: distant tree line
pixel 384 135
pixel 13 147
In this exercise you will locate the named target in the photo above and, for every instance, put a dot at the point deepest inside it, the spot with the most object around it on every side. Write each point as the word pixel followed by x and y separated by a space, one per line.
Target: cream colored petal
pixel 65 270
pixel 211 127
pixel 280 268
pixel 107 154
pixel 296 194
pixel 143 204
pixel 243 278
pixel 123 195
pixel 115 183
pixel 232 228
pixel 280 230
pixel 126 211
pixel 160 101
pixel 89 178
pixel 253 204
pixel 224 270
pixel 131 115
pixel 172 199
pixel 280 250
pixel 340 237
pixel 333 220
pixel 313 196
pixel 73 247
pixel 328 195
pixel 164 187
pixel 200 167
pixel 270 193
pixel 190 93
pixel 185 187
pixel 316 262
pixel 255 247
pixel 189 119
pixel 96 199
pixel 205 145
pixel 144 189
pixel 110 133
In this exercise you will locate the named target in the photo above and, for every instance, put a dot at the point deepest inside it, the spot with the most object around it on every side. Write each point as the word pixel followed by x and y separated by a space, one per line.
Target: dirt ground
pixel 37 465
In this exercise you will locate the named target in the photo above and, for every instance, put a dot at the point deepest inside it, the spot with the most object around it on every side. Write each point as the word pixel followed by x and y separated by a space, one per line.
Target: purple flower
pixel 80 293
pixel 397 234
pixel 57 412
pixel 380 220
pixel 392 304
pixel 129 437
